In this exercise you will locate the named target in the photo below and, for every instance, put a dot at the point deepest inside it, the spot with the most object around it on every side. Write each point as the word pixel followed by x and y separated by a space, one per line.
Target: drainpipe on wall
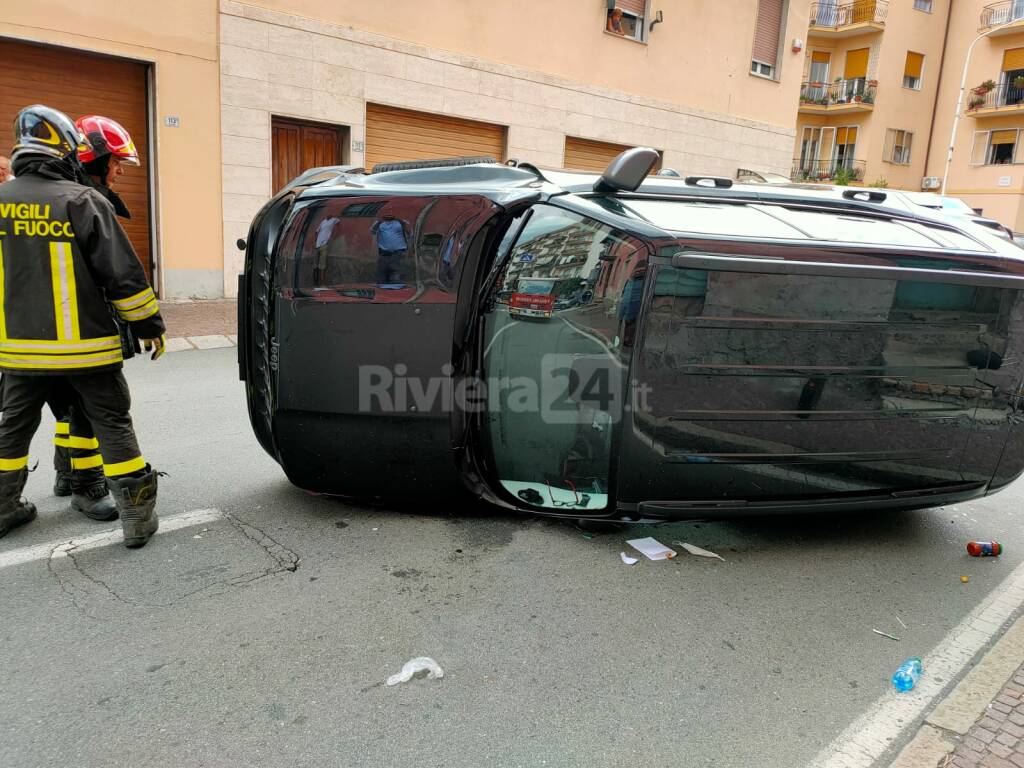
pixel 938 88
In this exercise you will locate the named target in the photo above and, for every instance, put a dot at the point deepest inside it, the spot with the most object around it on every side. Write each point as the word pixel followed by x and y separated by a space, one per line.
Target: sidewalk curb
pixel 187 343
pixel 956 713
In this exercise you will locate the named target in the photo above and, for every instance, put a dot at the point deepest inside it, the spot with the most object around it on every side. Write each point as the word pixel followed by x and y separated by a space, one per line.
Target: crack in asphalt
pixel 286 560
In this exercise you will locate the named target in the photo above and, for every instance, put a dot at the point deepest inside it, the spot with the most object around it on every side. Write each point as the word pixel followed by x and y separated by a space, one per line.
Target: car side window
pixel 381 249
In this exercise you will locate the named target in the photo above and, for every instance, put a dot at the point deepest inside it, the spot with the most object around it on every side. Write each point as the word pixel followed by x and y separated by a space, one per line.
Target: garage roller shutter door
pixel 395 135
pixel 81 84
pixel 590 155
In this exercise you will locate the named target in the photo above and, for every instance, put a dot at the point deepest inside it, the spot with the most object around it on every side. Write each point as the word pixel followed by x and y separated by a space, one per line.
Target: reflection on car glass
pixel 712 219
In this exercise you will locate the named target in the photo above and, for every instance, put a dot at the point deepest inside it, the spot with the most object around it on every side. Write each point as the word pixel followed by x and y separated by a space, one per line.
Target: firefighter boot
pixel 136 501
pixel 14 510
pixel 90 495
pixel 62 484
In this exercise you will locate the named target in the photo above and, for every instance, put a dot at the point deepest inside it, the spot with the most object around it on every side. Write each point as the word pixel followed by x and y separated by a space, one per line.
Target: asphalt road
pixel 264 636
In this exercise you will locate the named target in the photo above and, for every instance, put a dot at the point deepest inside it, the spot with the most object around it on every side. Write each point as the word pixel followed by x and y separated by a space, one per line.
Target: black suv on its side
pixel 711 349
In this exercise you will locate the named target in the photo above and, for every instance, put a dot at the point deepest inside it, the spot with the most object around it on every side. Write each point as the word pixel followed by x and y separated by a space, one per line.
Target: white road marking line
pixel 875 732
pixel 58 549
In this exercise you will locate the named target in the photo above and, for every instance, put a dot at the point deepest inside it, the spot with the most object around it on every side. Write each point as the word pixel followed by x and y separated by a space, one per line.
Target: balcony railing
pixel 828 170
pixel 856 91
pixel 832 15
pixel 1006 95
pixel 1002 13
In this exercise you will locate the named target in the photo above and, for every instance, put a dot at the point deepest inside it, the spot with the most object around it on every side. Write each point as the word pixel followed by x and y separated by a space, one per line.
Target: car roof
pixel 507 183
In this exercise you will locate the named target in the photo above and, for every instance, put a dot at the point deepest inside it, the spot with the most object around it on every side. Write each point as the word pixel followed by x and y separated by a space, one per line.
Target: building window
pixel 997 147
pixel 767 38
pixel 923 5
pixel 912 70
pixel 897 146
pixel 626 19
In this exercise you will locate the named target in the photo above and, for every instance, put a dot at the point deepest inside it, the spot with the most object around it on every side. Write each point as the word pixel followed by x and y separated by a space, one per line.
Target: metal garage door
pixel 590 155
pixel 80 84
pixel 393 135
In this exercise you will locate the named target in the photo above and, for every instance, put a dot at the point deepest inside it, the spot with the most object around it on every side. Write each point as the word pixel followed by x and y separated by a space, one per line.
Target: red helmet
pixel 107 137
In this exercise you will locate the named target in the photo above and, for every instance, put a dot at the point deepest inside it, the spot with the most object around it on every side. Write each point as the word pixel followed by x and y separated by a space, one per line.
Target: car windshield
pixel 535 287
pixel 955 204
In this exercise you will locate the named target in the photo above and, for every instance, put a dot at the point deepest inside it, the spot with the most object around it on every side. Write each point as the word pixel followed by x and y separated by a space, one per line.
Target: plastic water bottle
pixel 906 676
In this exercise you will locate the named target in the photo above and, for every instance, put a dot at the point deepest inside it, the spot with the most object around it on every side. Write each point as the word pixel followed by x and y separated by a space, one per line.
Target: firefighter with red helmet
pixel 107 147
pixel 64 262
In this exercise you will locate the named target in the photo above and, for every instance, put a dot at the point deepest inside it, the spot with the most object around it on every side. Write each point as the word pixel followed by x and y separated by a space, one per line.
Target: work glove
pixel 156 346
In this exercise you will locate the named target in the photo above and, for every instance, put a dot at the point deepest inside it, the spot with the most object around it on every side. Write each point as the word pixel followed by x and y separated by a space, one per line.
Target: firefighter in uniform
pixel 64 261
pixel 108 145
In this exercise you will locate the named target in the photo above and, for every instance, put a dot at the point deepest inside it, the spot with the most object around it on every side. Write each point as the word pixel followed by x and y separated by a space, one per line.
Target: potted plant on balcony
pixel 1018 82
pixel 975 102
pixel 985 87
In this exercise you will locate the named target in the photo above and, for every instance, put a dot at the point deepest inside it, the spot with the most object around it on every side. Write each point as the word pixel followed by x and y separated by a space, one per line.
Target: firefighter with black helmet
pixel 64 262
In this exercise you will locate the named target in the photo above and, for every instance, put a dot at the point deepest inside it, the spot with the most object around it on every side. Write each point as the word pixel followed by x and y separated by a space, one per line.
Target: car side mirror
pixel 628 170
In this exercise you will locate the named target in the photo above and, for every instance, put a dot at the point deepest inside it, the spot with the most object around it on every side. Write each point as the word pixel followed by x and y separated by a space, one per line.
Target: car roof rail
pixel 447 162
pixel 865 195
pixel 718 182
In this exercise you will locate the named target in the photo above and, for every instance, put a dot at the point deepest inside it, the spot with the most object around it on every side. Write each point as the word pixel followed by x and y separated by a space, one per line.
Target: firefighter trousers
pixel 61 401
pixel 99 420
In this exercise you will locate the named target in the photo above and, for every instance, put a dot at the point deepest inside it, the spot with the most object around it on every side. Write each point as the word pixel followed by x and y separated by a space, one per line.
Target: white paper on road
pixel 628 560
pixel 414 666
pixel 694 550
pixel 652 548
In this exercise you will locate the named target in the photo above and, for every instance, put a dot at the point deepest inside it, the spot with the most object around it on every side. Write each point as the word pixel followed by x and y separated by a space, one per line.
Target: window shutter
pixel 821 57
pixel 841 136
pixel 767 31
pixel 1013 58
pixel 890 144
pixel 856 63
pixel 1004 137
pixel 980 148
pixel 915 63
pixel 851 136
pixel 635 7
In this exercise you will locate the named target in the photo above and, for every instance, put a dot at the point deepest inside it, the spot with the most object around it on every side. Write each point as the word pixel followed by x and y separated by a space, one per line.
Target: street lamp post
pixel 960 97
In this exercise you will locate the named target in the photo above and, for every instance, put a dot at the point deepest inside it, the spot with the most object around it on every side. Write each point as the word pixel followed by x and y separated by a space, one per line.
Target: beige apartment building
pixel 229 100
pixel 880 87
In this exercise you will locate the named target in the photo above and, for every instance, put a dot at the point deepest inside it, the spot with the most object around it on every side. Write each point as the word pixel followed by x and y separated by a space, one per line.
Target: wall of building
pixel 906 29
pixel 996 189
pixel 180 40
pixel 276 63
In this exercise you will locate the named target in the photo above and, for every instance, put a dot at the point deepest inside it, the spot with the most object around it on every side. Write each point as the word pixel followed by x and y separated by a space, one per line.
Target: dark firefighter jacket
pixel 65 266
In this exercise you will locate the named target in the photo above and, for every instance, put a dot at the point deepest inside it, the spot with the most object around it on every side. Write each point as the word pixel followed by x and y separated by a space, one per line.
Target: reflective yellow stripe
pixel 142 297
pixel 52 347
pixel 3 317
pixel 148 309
pixel 9 465
pixel 88 462
pixel 63 428
pixel 59 362
pixel 124 467
pixel 86 443
pixel 65 296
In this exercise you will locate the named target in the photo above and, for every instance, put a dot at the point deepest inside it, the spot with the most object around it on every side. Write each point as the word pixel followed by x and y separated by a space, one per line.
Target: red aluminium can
pixel 984 548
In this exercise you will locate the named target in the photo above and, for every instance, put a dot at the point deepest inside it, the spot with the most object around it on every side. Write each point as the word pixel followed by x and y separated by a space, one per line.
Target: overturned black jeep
pixel 628 346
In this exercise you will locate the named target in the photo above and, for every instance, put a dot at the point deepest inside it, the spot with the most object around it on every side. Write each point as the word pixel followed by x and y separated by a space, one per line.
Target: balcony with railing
pixel 857 95
pixel 828 171
pixel 1008 12
pixel 832 19
pixel 1007 98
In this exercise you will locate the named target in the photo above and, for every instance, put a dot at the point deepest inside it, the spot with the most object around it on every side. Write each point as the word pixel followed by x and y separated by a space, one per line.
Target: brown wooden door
pixel 84 84
pixel 394 135
pixel 298 146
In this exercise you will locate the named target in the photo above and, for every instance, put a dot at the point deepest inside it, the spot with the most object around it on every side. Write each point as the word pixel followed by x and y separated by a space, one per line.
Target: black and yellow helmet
pixel 42 130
